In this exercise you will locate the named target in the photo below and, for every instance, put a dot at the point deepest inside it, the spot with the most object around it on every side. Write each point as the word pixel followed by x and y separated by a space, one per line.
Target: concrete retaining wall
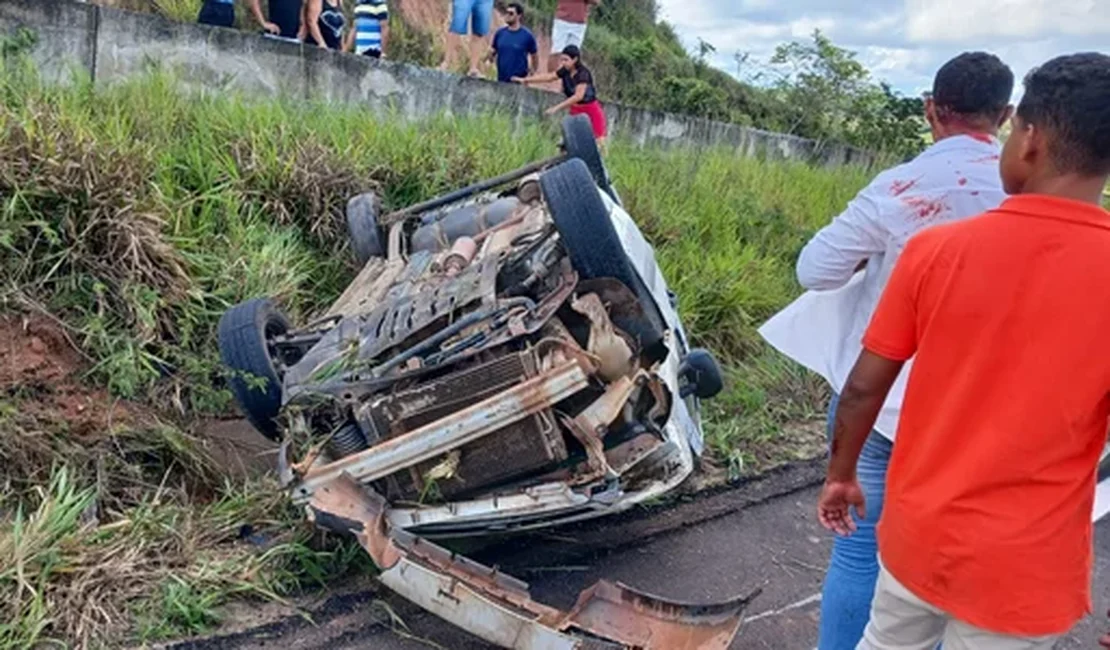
pixel 111 45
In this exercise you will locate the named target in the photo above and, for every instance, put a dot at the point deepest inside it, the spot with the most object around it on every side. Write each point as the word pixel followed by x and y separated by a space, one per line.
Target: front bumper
pixel 499 609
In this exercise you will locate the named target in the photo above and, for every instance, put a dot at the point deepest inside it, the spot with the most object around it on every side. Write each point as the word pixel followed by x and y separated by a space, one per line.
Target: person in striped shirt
pixel 371 31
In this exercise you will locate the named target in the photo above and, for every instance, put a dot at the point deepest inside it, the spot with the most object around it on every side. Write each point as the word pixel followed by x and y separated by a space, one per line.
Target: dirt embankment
pixel 41 368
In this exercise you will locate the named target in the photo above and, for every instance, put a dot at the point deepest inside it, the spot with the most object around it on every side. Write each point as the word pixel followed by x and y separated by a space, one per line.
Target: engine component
pixel 466 221
pixel 530 444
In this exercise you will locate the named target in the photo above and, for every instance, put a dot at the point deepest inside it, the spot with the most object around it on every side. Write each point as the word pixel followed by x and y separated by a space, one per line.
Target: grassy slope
pixel 137 215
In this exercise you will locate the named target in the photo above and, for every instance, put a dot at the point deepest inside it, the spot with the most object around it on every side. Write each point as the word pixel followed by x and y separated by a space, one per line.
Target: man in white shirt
pixel 955 178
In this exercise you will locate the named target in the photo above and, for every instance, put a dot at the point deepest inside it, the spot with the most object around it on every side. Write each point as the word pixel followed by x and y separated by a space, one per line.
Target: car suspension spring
pixel 346 441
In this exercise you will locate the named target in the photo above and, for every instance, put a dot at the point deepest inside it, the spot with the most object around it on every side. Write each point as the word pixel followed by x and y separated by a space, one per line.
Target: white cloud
pixel 902 42
pixel 964 21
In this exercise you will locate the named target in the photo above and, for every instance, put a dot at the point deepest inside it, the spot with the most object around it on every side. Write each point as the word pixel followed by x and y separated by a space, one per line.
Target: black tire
pixel 593 246
pixel 579 142
pixel 367 238
pixel 244 332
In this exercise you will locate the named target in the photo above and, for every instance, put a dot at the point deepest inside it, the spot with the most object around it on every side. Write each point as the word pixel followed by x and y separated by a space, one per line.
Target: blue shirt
pixel 513 48
pixel 369 16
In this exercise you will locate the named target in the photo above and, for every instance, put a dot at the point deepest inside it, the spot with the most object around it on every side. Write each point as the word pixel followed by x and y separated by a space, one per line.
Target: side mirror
pixel 701 374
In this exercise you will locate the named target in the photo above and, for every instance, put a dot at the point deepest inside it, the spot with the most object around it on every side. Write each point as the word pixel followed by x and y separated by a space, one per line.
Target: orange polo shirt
pixel 987 514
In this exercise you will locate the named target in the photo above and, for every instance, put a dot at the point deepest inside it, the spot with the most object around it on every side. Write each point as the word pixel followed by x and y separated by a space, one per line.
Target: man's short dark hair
pixel 1069 97
pixel 973 86
pixel 573 52
pixel 516 6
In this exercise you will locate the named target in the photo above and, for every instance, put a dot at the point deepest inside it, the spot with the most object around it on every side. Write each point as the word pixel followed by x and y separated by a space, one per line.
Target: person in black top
pixel 323 23
pixel 578 86
pixel 284 20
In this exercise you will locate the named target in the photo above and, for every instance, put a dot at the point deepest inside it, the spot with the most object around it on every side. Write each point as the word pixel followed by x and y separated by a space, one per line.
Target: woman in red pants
pixel 578 86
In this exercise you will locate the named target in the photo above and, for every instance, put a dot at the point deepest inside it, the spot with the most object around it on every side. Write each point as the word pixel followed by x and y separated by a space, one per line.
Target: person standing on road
pixel 985 534
pixel 514 47
pixel 219 13
pixel 371 32
pixel 568 28
pixel 578 86
pixel 953 179
pixel 478 16
pixel 284 17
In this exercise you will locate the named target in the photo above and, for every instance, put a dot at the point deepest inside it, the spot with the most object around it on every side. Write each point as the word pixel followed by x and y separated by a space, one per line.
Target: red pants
pixel 596 115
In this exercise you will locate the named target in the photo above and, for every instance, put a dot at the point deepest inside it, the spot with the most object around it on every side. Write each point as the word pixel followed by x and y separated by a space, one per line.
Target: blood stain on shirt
pixel 962 181
pixel 925 208
pixel 898 188
pixel 986 159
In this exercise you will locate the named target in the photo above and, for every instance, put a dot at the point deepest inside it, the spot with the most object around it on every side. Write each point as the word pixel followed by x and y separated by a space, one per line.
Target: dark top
pixel 581 76
pixel 286 14
pixel 331 22
pixel 513 48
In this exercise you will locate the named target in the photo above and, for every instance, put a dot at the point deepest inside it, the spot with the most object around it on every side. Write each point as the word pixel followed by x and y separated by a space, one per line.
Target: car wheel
pixel 579 142
pixel 592 243
pixel 367 239
pixel 245 333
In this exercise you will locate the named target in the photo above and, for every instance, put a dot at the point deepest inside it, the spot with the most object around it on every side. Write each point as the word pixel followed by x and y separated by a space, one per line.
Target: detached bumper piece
pixel 498 608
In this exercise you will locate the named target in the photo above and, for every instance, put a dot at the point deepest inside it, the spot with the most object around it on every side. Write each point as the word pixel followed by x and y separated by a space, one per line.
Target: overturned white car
pixel 508 358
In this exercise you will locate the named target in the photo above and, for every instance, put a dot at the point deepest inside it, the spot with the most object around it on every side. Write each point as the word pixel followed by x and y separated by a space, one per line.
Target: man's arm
pixel 842 248
pixel 256 11
pixel 860 402
pixel 890 340
pixel 312 11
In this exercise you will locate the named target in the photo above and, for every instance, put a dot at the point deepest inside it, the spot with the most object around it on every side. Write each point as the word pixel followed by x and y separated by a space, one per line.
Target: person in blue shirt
pixel 371 32
pixel 514 47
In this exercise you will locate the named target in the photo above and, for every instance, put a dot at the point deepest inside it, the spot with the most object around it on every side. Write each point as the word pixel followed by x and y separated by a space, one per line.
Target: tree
pixel 824 92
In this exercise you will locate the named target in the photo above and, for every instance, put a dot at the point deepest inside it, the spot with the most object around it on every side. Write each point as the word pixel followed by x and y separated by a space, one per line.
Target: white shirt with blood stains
pixel 955 178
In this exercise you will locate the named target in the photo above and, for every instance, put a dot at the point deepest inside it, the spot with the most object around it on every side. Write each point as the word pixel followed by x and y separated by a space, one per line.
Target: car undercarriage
pixel 508 358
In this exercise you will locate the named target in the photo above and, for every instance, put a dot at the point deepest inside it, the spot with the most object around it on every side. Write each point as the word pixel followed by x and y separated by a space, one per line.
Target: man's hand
pixel 834 505
pixel 1105 640
pixel 551 111
pixel 271 27
pixel 517 80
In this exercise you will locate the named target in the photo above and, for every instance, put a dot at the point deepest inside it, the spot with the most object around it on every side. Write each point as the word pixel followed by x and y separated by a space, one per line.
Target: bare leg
pixel 450 48
pixel 476 49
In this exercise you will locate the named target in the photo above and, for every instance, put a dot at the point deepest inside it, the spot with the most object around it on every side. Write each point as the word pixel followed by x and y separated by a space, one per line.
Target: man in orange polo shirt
pixel 985 535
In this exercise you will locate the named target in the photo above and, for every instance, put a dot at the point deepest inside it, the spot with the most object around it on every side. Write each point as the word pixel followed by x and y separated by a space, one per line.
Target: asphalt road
pixel 729 544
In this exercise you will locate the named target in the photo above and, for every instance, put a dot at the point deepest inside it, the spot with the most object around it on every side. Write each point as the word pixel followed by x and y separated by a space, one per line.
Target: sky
pixel 902 42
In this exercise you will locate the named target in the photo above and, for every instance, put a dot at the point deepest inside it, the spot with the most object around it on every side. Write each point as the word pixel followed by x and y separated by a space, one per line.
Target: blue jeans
pixel 479 13
pixel 854 566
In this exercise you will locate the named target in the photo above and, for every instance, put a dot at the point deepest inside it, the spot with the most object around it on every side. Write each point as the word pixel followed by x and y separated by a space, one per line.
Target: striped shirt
pixel 369 16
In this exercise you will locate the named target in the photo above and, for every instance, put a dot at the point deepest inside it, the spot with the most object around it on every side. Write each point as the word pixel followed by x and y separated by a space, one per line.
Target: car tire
pixel 367 238
pixel 244 334
pixel 591 241
pixel 579 142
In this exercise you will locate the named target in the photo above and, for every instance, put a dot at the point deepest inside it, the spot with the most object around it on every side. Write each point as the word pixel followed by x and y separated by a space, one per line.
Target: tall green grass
pixel 137 214
pixel 219 199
